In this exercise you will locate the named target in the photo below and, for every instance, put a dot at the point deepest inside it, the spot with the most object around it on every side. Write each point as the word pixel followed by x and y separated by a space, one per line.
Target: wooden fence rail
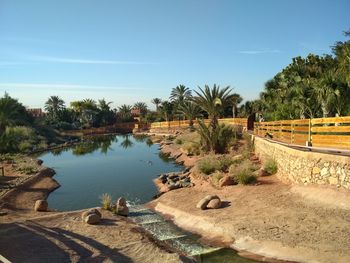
pixel 185 123
pixel 320 132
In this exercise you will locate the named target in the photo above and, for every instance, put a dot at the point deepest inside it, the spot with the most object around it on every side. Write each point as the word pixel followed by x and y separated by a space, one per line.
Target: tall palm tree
pixel 212 100
pixel 190 110
pixel 142 107
pixel 236 99
pixel 180 93
pixel 166 109
pixel 54 105
pixel 156 101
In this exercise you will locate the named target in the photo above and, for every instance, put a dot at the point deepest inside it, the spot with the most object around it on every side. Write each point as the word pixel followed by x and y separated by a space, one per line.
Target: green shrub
pixel 106 201
pixel 192 148
pixel 245 177
pixel 270 166
pixel 209 164
pixel 225 162
pixel 178 141
pixel 216 177
pixel 27 169
pixel 217 140
pixel 243 172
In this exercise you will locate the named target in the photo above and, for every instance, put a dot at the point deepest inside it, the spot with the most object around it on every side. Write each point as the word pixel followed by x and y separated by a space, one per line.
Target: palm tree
pixel 179 94
pixel 212 101
pixel 125 111
pixel 190 110
pixel 11 113
pixel 236 99
pixel 142 107
pixel 325 92
pixel 54 105
pixel 156 101
pixel 166 109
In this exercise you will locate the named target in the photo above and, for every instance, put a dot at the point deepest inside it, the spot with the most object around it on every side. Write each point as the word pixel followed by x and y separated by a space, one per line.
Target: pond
pixel 121 165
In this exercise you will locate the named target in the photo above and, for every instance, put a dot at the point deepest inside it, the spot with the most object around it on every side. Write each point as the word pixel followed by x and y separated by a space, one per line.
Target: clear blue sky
pixel 128 51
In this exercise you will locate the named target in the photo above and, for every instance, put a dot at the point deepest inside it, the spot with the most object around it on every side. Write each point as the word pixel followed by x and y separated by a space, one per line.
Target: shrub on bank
pixel 106 201
pixel 209 164
pixel 243 172
pixel 216 176
pixel 270 166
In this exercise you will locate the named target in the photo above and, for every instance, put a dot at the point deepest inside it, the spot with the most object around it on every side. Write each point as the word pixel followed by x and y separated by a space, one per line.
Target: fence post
pixel 309 139
pixel 291 132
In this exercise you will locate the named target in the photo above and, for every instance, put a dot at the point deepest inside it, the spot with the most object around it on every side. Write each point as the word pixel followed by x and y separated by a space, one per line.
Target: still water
pixel 121 165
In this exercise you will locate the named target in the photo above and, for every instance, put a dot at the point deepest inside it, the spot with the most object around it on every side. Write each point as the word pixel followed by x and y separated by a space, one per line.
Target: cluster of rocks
pixel 209 202
pixel 174 180
pixel 91 216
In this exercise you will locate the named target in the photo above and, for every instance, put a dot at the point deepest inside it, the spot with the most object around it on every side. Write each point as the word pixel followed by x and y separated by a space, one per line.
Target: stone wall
pixel 305 167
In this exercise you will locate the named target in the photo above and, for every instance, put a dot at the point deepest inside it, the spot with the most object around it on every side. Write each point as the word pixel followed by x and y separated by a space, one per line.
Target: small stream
pixel 124 165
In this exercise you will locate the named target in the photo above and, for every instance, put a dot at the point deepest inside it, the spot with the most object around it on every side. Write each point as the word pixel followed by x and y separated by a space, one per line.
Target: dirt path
pixel 270 219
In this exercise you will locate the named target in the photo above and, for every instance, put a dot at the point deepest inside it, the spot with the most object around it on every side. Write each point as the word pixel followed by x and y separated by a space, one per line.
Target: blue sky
pixel 128 51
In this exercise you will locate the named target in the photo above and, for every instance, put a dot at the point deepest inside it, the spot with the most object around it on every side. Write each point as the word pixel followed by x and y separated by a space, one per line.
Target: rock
pixel 41 206
pixel 90 212
pixel 214 204
pixel 202 204
pixel 122 208
pixel 226 180
pixel 92 219
pixel 121 201
pixel 39 162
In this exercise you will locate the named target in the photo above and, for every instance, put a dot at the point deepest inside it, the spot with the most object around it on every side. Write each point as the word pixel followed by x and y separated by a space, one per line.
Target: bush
pixel 245 177
pixel 209 164
pixel 18 139
pixel 243 172
pixel 216 177
pixel 106 201
pixel 217 140
pixel 178 141
pixel 27 169
pixel 192 148
pixel 225 162
pixel 270 166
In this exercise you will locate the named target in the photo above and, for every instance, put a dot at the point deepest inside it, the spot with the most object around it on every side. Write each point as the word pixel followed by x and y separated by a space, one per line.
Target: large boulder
pixel 41 206
pixel 89 212
pixel 226 180
pixel 202 204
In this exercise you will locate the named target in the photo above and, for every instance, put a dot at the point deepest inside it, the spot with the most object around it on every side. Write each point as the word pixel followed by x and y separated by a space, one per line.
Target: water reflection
pixel 92 144
pixel 126 143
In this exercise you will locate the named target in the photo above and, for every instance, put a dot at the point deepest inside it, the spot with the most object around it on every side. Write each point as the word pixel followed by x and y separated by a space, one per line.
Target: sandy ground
pixel 63 237
pixel 271 219
pixel 29 236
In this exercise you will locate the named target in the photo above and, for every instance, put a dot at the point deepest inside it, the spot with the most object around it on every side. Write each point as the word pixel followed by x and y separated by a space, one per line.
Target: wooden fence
pixel 320 132
pixel 185 123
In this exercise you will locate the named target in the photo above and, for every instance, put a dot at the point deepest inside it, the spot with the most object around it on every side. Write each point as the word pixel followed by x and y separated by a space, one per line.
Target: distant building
pixel 135 112
pixel 36 112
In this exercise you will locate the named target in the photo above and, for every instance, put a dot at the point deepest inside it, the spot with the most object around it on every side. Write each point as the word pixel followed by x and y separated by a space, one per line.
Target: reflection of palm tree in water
pixel 126 143
pixel 92 144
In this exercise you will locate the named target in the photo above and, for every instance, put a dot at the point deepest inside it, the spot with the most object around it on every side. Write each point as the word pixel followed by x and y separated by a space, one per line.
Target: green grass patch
pixel 270 166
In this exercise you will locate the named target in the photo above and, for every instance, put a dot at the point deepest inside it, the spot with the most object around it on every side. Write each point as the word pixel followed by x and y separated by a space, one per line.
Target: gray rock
pixel 41 206
pixel 92 219
pixel 202 204
pixel 90 212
